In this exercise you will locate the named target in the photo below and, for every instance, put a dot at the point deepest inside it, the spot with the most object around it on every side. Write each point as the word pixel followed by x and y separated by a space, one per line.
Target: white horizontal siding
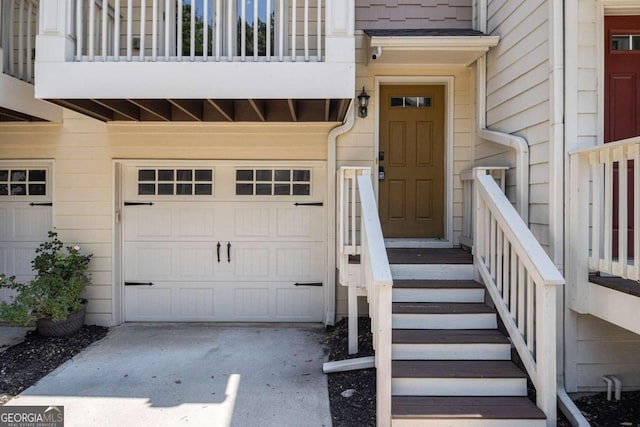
pixel 518 98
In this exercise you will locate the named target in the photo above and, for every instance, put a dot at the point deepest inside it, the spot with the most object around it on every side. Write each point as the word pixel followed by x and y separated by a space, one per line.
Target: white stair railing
pixel 522 282
pixel 19 19
pixel 375 275
pixel 499 173
pixel 218 30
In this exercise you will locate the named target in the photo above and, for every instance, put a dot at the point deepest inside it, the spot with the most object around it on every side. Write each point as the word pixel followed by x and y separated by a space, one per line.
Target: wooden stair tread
pixel 448 336
pixel 455 369
pixel 436 284
pixel 429 256
pixel 440 308
pixel 462 407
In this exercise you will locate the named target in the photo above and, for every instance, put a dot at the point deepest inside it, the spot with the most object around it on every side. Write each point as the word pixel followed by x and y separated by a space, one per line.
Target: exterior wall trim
pixel 449 83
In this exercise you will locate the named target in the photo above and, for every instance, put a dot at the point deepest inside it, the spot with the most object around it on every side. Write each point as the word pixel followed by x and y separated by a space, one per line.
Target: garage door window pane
pixel 37 189
pixel 204 189
pixel 283 175
pixel 18 189
pixel 166 175
pixel 37 175
pixel 184 175
pixel 146 175
pixel 165 189
pixel 263 175
pixel 282 189
pixel 19 176
pixel 302 175
pixel 146 189
pixel 301 189
pixel 244 175
pixel 183 189
pixel 244 189
pixel 263 189
pixel 4 175
pixel 4 190
pixel 204 174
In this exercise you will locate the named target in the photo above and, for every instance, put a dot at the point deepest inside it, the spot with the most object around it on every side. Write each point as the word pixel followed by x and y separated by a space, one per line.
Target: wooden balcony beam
pixel 192 108
pixel 122 107
pixel 259 108
pixel 157 107
pixel 224 107
pixel 293 109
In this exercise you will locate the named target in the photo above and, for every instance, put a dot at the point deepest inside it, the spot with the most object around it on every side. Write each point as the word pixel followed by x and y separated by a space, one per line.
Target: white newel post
pixel 478 227
pixel 578 268
pixel 340 30
pixel 55 41
pixel 546 383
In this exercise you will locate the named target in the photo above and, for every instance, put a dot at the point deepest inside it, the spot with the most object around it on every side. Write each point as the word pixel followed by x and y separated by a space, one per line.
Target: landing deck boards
pixel 472 407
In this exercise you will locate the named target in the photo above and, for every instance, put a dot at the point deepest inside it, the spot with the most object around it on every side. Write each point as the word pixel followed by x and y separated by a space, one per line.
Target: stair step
pixel 429 256
pixel 437 291
pixel 502 411
pixel 457 378
pixel 442 315
pixel 432 271
pixel 436 344
pixel 440 308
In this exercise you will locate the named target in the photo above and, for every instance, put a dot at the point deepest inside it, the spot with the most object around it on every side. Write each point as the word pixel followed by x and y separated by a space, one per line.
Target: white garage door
pixel 221 242
pixel 25 217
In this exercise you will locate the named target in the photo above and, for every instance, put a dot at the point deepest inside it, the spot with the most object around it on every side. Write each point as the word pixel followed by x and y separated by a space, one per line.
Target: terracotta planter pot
pixel 69 326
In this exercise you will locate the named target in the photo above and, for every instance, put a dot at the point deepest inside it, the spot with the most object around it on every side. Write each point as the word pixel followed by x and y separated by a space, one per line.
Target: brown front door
pixel 622 101
pixel 412 191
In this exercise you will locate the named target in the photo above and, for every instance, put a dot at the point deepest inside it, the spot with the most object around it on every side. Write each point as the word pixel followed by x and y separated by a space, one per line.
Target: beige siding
pixel 405 14
pixel 518 98
pixel 605 349
pixel 83 151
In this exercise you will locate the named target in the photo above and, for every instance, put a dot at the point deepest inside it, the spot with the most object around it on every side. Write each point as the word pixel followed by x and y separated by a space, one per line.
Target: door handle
pixel 218 250
pixel 380 173
pixel 228 251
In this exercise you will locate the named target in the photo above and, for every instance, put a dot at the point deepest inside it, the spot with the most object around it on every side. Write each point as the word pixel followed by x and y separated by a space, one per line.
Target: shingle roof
pixel 424 32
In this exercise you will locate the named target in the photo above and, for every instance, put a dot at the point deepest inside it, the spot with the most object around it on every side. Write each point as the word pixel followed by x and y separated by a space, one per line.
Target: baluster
pixel 622 211
pixel 143 23
pixel 522 308
pixel 21 40
pixel 243 30
pixel 530 313
pixel 92 29
pixel 268 31
pixel 513 283
pixel 596 207
pixel 231 30
pixel 79 29
pixel 281 32
pixel 154 31
pixel 608 209
pixel 129 30
pixel 116 31
pixel 498 265
pixel 506 289
pixel 218 29
pixel 105 18
pixel 205 29
pixel 29 42
pixel 319 41
pixel 294 24
pixel 179 30
pixel 492 257
pixel 635 152
pixel 193 31
pixel 256 29
pixel 306 30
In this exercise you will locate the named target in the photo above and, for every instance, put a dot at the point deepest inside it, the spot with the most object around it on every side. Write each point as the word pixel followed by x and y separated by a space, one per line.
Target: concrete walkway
pixel 196 375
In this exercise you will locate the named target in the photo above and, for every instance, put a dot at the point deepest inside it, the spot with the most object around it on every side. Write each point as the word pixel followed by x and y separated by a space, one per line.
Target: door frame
pixel 448 83
pixel 119 166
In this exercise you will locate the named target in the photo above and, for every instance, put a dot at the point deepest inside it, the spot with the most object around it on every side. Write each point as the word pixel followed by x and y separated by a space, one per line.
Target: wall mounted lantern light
pixel 363 101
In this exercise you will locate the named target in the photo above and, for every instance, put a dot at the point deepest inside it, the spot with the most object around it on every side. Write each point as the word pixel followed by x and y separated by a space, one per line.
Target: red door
pixel 622 101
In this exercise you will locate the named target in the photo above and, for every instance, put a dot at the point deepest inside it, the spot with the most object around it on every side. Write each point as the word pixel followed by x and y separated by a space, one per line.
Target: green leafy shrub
pixel 60 278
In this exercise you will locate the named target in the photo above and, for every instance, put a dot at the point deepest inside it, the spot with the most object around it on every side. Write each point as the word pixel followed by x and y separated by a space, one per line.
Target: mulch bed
pixel 358 410
pixel 23 364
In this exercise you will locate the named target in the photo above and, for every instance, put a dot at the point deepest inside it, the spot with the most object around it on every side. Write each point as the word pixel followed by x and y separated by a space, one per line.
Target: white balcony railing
pixel 218 30
pixel 605 182
pixel 18 28
pixel 357 205
pixel 522 282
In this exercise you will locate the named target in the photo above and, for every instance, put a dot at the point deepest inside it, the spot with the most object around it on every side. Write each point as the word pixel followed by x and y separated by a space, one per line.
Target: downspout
pixel 515 142
pixel 332 140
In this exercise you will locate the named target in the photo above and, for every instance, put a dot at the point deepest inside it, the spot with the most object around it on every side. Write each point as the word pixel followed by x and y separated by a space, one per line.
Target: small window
pixel 410 102
pixel 273 182
pixel 23 182
pixel 175 182
pixel 625 42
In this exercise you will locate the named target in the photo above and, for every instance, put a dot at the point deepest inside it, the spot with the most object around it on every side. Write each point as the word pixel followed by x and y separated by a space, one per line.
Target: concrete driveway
pixel 196 375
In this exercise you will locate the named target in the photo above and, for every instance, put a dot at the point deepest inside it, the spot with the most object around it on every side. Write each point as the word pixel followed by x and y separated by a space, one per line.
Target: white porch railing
pixel 522 282
pixel 375 275
pixel 605 182
pixel 219 30
pixel 18 29
pixel 499 174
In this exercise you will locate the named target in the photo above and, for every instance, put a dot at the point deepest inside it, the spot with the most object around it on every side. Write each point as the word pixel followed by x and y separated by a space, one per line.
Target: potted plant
pixel 52 300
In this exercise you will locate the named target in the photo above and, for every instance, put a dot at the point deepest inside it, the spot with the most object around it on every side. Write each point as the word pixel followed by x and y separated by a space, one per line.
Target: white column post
pixel 339 30
pixel 578 259
pixel 54 42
